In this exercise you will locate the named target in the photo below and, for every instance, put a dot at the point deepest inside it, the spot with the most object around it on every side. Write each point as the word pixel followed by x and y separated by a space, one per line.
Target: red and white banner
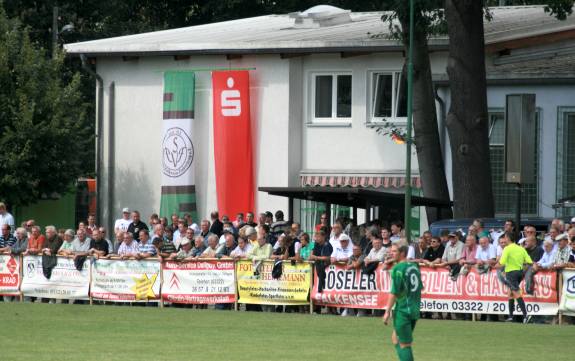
pixel 474 293
pixel 9 275
pixel 353 288
pixel 484 293
pixel 233 142
pixel 199 282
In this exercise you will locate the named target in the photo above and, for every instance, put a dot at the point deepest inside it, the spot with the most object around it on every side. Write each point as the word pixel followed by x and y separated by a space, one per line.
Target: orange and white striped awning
pixel 357 181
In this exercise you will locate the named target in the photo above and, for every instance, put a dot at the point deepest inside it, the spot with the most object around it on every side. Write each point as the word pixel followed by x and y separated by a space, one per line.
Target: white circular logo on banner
pixel 177 152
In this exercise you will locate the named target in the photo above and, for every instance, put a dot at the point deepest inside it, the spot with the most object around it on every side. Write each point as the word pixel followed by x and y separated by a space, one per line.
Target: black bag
pixel 277 270
pixel 369 268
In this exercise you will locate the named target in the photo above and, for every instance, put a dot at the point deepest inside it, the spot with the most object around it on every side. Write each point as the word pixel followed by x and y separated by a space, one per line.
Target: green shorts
pixel 403 327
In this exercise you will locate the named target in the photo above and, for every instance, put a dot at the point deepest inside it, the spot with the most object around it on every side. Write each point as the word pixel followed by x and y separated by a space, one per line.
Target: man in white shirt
pixel 337 230
pixel 377 253
pixel 123 223
pixel 241 251
pixel 5 217
pixel 343 251
pixel 485 255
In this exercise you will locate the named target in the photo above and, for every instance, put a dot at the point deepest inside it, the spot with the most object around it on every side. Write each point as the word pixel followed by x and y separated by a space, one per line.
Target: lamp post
pixel 408 139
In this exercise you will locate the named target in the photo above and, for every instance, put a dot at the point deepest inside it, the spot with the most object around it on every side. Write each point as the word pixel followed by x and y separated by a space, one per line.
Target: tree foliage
pixel 44 143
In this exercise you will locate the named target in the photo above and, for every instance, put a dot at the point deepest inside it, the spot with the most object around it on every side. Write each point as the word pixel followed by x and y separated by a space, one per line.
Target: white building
pixel 314 78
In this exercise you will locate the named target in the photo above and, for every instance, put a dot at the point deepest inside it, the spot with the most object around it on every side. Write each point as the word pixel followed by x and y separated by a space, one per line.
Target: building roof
pixel 327 29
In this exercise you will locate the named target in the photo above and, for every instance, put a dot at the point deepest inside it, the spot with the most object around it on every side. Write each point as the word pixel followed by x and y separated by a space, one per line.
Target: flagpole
pixel 408 139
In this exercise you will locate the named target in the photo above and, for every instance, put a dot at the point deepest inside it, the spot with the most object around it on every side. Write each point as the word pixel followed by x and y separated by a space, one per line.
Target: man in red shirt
pixel 35 241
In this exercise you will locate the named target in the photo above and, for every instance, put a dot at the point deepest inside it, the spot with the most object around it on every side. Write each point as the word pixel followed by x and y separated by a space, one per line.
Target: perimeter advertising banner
pixel 178 193
pixel 199 282
pixel 292 288
pixel 567 305
pixel 66 282
pixel 9 275
pixel 125 280
pixel 484 293
pixel 353 288
pixel 233 142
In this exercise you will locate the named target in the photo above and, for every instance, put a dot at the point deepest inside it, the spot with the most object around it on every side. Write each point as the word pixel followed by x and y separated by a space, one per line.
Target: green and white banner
pixel 178 184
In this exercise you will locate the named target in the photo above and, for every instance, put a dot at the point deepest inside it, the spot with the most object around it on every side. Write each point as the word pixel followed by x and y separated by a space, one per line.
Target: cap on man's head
pixel 184 242
pixel 452 234
pixel 561 237
pixel 343 237
pixel 227 230
pixel 126 210
pixel 573 220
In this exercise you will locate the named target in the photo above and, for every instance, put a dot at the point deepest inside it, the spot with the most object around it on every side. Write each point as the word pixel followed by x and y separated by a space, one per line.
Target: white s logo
pixel 231 105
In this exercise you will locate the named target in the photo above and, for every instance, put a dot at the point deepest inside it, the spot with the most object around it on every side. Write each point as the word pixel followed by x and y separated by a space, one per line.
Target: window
pixel 331 97
pixel 566 157
pixel 388 97
pixel 505 195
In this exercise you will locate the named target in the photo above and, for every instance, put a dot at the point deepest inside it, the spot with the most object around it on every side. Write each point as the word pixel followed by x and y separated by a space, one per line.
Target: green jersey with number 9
pixel 406 286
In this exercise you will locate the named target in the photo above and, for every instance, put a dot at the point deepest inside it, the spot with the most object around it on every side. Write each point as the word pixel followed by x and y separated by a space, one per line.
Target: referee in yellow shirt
pixel 513 258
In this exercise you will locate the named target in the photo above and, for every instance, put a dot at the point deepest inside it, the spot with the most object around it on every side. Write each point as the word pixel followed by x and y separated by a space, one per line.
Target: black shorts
pixel 514 279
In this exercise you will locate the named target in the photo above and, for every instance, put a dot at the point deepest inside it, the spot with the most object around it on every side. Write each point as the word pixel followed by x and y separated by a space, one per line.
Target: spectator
pixel 174 225
pixel 181 228
pixel 479 227
pixel 242 249
pixel 366 242
pixel 136 226
pixel 91 226
pixel 80 244
pixel 66 247
pixel 296 230
pixel 99 247
pixel 166 248
pixel 217 226
pixel 269 218
pixel 559 224
pixel 199 246
pixel 5 217
pixel 280 225
pixel 264 232
pixel 472 231
pixel 250 220
pixel 553 233
pixel 261 251
pixel 434 253
pixel 529 231
pixel 251 236
pixel 337 231
pixel 228 228
pixel 211 250
pixel 306 248
pixel 262 219
pixel 323 222
pixel 189 235
pixel 186 252
pixel 129 247
pixel 452 255
pixel 35 241
pixel 52 243
pixel 467 260
pixel 444 236
pixel 123 223
pixel 377 253
pixel 205 231
pixel 158 232
pixel 321 255
pixel 110 243
pixel 21 241
pixel 416 251
pixel 396 228
pixel 225 251
pixel 343 250
pixel 154 219
pixel 7 240
pixel 562 254
pixel 535 253
pixel 571 262
pixel 239 222
pixel 191 224
pixel 386 237
pixel 486 255
pixel 28 225
pixel 168 234
pixel 145 249
pixel 164 222
pixel 548 258
pixel 119 239
pixel 355 262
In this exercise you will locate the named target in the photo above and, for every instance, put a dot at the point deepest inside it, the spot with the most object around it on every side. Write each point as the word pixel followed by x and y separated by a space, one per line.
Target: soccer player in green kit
pixel 405 295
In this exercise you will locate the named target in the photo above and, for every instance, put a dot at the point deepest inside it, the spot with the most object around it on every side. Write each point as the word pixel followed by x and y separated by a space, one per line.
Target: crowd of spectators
pixel 272 237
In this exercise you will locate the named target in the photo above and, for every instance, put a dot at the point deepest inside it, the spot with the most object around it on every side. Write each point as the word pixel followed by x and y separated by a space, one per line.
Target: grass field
pixel 80 332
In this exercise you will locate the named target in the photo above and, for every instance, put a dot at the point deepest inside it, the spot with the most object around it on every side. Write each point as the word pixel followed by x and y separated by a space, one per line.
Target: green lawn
pixel 81 332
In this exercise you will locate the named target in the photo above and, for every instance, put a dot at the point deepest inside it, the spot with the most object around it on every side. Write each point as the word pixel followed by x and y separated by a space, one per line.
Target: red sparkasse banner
pixel 233 142
pixel 353 288
pixel 199 282
pixel 484 293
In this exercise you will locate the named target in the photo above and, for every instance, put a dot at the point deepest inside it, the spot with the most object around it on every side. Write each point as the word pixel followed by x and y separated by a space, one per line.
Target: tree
pixel 467 121
pixel 44 142
pixel 428 21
